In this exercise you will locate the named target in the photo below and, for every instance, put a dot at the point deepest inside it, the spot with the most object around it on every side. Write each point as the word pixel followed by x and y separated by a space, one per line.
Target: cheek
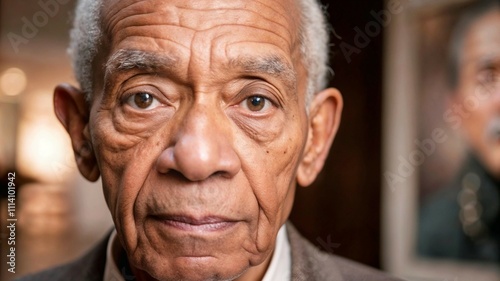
pixel 124 161
pixel 495 162
pixel 271 172
pixel 273 178
pixel 480 113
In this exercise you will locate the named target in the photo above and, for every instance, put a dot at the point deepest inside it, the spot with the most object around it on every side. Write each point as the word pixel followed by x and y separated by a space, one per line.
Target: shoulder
pixel 439 228
pixel 309 263
pixel 90 267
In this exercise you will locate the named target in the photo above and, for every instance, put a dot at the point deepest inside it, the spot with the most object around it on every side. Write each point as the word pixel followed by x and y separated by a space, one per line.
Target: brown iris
pixel 256 103
pixel 143 100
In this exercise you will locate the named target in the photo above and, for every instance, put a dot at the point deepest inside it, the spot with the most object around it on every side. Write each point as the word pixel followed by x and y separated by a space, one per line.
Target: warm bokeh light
pixel 13 81
pixel 44 151
pixel 46 209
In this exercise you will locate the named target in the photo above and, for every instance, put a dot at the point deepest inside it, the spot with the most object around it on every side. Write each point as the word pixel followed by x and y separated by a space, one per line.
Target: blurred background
pixel 60 215
pixel 350 210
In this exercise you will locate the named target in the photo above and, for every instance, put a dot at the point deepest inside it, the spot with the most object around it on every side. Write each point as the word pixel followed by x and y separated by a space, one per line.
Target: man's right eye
pixel 256 103
pixel 489 76
pixel 143 101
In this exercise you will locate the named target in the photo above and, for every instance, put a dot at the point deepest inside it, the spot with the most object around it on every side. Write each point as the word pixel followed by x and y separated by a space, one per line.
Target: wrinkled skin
pixel 201 143
pixel 479 89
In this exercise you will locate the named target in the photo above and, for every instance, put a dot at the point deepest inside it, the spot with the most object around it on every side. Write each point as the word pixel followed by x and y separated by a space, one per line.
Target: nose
pixel 202 146
pixel 496 94
pixel 494 99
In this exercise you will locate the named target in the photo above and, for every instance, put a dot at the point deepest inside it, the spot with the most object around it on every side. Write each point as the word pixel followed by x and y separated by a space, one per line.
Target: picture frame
pixel 408 132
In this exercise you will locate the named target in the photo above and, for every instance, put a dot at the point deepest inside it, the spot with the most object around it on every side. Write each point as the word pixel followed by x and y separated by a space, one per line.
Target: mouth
pixel 192 224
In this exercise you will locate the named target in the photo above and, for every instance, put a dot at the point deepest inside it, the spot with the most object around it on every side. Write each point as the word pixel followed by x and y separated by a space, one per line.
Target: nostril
pixel 166 161
pixel 221 174
pixel 176 175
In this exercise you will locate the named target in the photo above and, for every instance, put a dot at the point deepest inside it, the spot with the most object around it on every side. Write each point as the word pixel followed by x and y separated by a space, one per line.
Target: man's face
pixel 479 89
pixel 198 129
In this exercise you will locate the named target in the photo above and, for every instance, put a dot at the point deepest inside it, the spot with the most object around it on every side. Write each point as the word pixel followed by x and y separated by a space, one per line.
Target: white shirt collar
pixel 111 272
pixel 280 268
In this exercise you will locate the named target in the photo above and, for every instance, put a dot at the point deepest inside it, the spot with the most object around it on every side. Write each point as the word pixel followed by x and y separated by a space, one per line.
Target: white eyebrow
pixel 125 60
pixel 270 65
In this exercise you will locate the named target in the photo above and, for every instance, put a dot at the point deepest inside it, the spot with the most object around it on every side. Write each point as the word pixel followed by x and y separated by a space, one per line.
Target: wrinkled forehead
pixel 277 18
pixel 483 39
pixel 209 37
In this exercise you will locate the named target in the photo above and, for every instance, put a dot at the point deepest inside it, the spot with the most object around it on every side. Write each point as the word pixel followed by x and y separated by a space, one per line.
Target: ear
pixel 73 113
pixel 324 121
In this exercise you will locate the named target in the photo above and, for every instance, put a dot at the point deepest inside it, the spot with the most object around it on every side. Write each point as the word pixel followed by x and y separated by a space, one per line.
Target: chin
pixel 177 250
pixel 195 273
pixel 192 268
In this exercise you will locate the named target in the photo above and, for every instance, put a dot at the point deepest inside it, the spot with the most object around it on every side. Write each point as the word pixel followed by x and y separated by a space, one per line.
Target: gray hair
pixel 469 16
pixel 84 42
pixel 85 39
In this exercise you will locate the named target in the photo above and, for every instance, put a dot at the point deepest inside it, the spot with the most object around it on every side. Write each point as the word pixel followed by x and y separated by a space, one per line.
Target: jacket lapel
pixel 308 263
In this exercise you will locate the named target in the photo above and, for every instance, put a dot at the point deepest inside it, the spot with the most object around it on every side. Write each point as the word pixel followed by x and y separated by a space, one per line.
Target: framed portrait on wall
pixel 441 172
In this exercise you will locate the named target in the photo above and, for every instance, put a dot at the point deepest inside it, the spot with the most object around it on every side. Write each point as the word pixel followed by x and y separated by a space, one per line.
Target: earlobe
pixel 72 111
pixel 324 121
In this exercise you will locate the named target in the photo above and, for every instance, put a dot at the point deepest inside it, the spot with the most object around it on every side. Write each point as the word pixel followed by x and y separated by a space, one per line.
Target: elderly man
pixel 201 117
pixel 463 220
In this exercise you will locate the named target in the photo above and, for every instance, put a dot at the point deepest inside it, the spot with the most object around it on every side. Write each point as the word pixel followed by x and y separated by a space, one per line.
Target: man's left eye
pixel 256 103
pixel 489 75
pixel 143 100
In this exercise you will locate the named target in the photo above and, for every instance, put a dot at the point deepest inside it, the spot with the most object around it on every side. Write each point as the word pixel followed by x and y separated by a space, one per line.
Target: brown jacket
pixel 308 264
